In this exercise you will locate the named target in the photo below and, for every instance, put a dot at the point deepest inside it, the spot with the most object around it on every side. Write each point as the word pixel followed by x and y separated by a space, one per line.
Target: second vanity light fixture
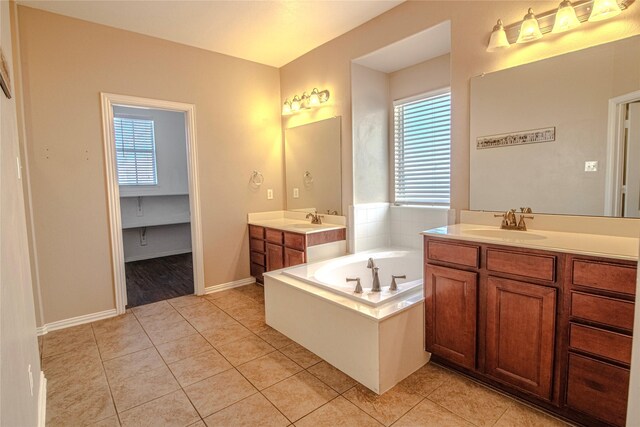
pixel 567 17
pixel 314 99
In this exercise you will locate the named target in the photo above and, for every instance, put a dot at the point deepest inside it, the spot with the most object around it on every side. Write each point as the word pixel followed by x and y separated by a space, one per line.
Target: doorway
pixel 154 215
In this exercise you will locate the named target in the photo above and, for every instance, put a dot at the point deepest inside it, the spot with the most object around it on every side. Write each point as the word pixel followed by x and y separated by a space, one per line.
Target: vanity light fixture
pixel 305 101
pixel 567 16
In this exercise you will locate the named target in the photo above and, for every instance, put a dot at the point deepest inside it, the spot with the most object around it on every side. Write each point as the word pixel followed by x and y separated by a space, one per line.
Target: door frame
pixel 615 153
pixel 108 101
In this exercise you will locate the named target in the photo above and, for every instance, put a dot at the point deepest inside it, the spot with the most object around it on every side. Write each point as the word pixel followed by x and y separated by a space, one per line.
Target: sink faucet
pixel 315 218
pixel 509 219
pixel 376 280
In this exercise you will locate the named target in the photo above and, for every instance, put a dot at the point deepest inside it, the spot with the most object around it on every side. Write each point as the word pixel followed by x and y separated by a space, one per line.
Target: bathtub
pixel 332 274
pixel 376 338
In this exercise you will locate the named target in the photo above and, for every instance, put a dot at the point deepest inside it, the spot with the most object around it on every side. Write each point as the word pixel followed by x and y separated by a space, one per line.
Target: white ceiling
pixel 272 32
pixel 427 44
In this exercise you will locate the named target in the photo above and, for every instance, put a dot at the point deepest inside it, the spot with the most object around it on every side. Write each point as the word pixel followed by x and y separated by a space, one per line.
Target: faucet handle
pixel 394 285
pixel 526 210
pixel 358 286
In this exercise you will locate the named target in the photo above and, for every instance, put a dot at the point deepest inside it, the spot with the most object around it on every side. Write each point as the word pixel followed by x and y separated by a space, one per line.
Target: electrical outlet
pixel 591 166
pixel 269 194
pixel 296 193
pixel 30 379
pixel 143 236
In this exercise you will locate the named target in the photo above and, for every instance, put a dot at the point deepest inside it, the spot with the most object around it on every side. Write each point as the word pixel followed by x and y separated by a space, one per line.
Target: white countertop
pixel 295 225
pixel 576 243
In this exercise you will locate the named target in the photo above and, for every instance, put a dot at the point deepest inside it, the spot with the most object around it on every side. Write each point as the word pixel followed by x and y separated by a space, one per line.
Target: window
pixel 135 151
pixel 422 136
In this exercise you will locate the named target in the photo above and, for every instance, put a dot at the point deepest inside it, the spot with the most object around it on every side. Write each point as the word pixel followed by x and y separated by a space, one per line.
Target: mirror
pixel 313 167
pixel 539 134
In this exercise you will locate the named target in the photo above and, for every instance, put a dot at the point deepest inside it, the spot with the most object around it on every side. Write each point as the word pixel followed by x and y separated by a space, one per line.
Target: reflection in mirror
pixel 574 167
pixel 312 167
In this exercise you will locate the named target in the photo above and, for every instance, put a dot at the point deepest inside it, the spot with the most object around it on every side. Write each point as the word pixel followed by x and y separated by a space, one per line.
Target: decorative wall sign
pixel 517 138
pixel 5 83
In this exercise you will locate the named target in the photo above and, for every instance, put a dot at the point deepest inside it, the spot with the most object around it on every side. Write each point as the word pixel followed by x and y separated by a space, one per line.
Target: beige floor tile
pixel 331 376
pixel 171 410
pixel 426 379
pixel 142 388
pixel 158 322
pixel 112 346
pixel 524 416
pixel 69 339
pixel 300 355
pixel 386 408
pixel 297 396
pixel 198 310
pixel 269 369
pixel 429 414
pixel 125 324
pixel 85 362
pixel 244 350
pixel 339 413
pixel 252 411
pixel 222 294
pixel 135 363
pixel 82 407
pixel 107 422
pixel 253 291
pixel 211 320
pixel 199 367
pixel 234 303
pixel 273 337
pixel 186 300
pixel 198 424
pixel 160 307
pixel 471 401
pixel 172 332
pixel 225 334
pixel 218 392
pixel 183 348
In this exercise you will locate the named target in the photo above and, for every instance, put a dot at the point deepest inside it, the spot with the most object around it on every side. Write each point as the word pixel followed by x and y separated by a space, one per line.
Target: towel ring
pixel 308 178
pixel 256 178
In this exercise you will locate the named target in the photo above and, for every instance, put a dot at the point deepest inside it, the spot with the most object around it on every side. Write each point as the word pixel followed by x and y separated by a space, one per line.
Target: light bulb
pixel 295 104
pixel 286 107
pixel 566 18
pixel 604 9
pixel 529 30
pixel 498 38
pixel 314 98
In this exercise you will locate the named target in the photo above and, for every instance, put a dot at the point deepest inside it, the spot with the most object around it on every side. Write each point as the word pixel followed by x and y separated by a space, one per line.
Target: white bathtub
pixel 332 274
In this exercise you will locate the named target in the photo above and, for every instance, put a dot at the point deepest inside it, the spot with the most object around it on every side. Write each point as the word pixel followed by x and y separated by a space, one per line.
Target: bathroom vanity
pixel 546 316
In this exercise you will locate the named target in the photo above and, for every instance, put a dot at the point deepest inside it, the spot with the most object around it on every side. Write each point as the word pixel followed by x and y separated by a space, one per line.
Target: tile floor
pixel 196 361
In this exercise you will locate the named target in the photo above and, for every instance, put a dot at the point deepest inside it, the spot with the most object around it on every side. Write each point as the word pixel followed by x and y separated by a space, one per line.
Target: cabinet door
pixel 451 307
pixel 275 258
pixel 521 334
pixel 293 257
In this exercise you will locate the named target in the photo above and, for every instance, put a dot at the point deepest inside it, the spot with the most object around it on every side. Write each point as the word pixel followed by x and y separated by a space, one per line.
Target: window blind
pixel 135 151
pixel 422 137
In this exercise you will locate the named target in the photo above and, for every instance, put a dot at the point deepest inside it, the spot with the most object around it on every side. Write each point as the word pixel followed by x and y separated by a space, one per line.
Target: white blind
pixel 135 151
pixel 422 130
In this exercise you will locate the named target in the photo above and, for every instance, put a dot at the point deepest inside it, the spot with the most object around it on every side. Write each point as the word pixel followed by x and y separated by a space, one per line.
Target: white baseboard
pixel 229 285
pixel 75 321
pixel 157 255
pixel 42 401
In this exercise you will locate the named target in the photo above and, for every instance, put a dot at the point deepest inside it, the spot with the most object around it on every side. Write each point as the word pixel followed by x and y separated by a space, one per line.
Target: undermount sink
pixel 306 226
pixel 505 234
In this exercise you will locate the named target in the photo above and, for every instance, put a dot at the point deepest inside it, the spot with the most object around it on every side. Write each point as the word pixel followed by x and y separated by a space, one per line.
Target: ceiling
pixel 272 32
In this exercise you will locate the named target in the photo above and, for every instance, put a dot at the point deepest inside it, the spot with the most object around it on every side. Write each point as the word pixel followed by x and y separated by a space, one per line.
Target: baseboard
pixel 157 255
pixel 75 321
pixel 42 401
pixel 229 285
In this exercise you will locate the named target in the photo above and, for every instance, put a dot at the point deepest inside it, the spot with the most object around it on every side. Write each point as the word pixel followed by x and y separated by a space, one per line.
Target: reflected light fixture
pixel 529 30
pixel 566 18
pixel 295 104
pixel 286 107
pixel 498 38
pixel 306 101
pixel 604 9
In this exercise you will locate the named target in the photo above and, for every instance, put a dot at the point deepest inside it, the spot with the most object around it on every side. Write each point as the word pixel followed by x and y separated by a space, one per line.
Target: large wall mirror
pixel 561 135
pixel 313 168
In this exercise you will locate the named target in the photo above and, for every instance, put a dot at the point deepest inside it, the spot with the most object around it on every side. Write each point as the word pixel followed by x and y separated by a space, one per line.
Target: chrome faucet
pixel 371 263
pixel 394 285
pixel 509 219
pixel 376 280
pixel 315 218
pixel 358 289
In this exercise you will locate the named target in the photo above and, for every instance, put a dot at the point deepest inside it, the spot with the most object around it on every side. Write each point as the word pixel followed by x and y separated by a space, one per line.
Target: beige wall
pixel 66 64
pixel 424 77
pixel 18 343
pixel 471 23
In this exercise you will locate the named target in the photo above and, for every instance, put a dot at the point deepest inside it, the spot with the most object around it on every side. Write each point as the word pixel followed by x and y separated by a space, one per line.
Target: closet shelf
pixel 142 222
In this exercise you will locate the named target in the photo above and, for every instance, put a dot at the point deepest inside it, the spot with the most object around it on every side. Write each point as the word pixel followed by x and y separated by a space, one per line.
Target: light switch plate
pixel 591 166
pixel 269 194
pixel 296 193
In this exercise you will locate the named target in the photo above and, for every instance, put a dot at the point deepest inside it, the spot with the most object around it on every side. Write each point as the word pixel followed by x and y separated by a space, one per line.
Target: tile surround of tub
pixel 408 221
pixel 370 226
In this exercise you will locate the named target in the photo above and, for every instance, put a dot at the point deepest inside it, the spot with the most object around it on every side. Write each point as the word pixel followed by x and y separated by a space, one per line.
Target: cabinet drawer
pixel 454 253
pixel 293 257
pixel 256 232
pixel 608 277
pixel 295 241
pixel 256 245
pixel 597 389
pixel 273 236
pixel 599 342
pixel 608 311
pixel 258 258
pixel 534 266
